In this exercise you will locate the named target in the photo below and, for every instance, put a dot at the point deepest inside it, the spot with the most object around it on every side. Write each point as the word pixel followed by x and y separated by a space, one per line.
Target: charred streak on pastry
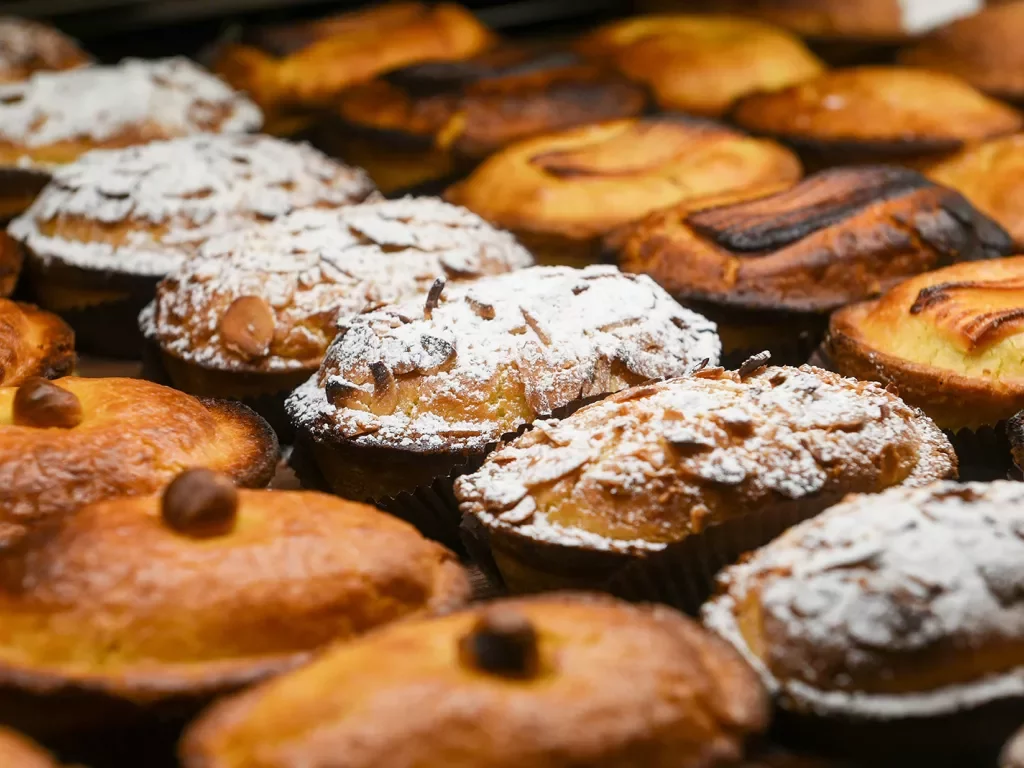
pixel 439 77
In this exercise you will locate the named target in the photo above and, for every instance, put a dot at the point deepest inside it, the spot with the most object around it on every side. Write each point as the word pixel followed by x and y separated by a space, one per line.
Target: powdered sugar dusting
pixel 650 466
pixel 174 195
pixel 495 354
pixel 906 572
pixel 315 267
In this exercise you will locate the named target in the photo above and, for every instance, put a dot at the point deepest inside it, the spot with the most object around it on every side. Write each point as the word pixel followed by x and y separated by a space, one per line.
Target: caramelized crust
pixel 305 66
pixel 476 106
pixel 582 183
pixel 702 64
pixel 894 110
pixel 952 341
pixel 617 685
pixel 33 343
pixel 134 436
pixel 118 602
pixel 839 236
pixel 18 752
pixel 905 605
pixel 27 47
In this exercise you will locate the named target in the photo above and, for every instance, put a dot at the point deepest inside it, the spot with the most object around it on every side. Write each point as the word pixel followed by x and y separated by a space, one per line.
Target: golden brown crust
pixel 951 341
pixel 617 685
pixel 702 64
pixel 27 47
pixel 584 182
pixel 839 236
pixel 33 343
pixel 876 111
pixel 294 69
pixel 18 752
pixel 133 438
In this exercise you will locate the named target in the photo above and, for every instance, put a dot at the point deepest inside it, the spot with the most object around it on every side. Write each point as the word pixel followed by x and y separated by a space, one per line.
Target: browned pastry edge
pixel 58 357
pixel 260 472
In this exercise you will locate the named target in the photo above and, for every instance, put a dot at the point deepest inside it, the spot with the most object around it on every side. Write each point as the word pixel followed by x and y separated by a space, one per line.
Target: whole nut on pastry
pixel 200 503
pixel 247 327
pixel 41 403
pixel 502 642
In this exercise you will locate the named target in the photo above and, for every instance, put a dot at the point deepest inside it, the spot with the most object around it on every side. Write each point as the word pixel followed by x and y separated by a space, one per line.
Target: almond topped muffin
pixel 877 114
pixel 27 47
pixel 109 226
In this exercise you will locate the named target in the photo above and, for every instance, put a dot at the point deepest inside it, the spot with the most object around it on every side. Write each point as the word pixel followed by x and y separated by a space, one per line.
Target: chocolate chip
pixel 41 403
pixel 754 363
pixel 433 297
pixel 247 327
pixel 200 503
pixel 502 642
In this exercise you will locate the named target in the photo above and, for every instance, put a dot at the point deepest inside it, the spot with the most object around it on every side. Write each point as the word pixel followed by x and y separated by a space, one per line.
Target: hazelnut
pixel 41 403
pixel 502 642
pixel 247 327
pixel 200 503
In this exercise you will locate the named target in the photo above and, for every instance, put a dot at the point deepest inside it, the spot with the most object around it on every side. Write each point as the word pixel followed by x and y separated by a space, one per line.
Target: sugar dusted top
pixel 144 209
pixel 472 363
pixel 314 267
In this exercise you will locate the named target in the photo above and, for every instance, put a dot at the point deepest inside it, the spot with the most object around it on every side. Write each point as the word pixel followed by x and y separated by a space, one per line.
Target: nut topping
pixel 41 403
pixel 502 642
pixel 754 363
pixel 247 327
pixel 433 297
pixel 200 503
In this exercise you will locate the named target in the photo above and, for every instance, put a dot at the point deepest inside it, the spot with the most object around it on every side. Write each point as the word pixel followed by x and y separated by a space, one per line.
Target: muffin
pixel 876 114
pixel 430 121
pixel 144 602
pixel 411 395
pixel 253 315
pixel 74 441
pixel 109 226
pixel 1012 755
pixel 988 174
pixel 691 473
pixel 561 193
pixel 701 64
pixel 889 627
pixel 293 71
pixel 770 270
pixel 52 118
pixel 558 681
pixel 18 752
pixel 33 343
pixel 27 47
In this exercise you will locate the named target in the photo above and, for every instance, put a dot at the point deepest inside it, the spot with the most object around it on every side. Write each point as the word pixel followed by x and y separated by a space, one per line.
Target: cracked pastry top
pixel 143 210
pixel 74 441
pixel 702 64
pixel 878 111
pixel 269 298
pixel 652 465
pixel 895 607
pixel 474 107
pixel 579 184
pixel 473 363
pixel 291 70
pixel 952 341
pixel 33 343
pixel 54 117
pixel 838 236
pixel 555 681
pixel 27 47
pixel 218 588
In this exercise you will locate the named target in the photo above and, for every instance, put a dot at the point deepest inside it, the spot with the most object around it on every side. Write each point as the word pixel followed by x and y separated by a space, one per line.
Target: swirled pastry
pixel 27 47
pixel 33 343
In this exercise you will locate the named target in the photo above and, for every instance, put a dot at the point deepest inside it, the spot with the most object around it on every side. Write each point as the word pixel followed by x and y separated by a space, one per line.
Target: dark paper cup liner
pixel 984 453
pixel 476 544
pixel 110 329
pixel 793 351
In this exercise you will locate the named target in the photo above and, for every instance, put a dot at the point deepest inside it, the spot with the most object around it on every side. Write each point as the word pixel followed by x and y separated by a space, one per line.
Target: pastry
pixel 146 601
pixel 50 119
pixel 27 47
pixel 769 270
pixel 109 226
pixel 876 114
pixel 1012 755
pixel 979 49
pixel 989 175
pixel 558 681
pixel 412 394
pixel 561 193
pixel 702 64
pixel 890 627
pixel 252 316
pixel 710 465
pixel 293 71
pixel 73 441
pixel 429 121
pixel 33 343
pixel 18 752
